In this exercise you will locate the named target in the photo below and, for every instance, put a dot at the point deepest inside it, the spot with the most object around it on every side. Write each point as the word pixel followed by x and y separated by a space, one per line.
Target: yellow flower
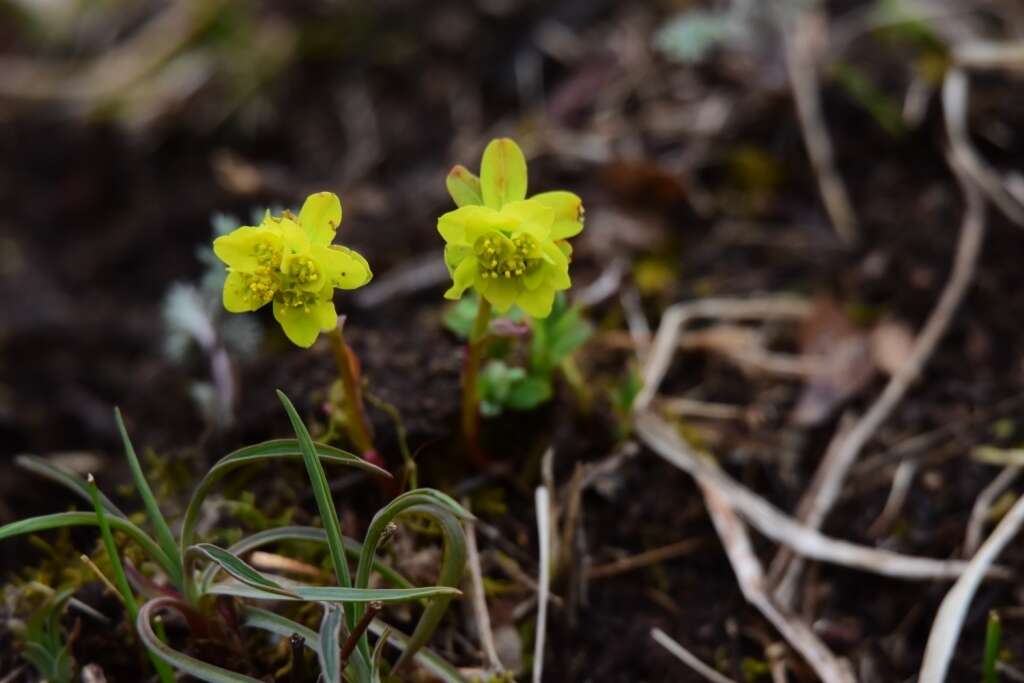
pixel 511 249
pixel 290 260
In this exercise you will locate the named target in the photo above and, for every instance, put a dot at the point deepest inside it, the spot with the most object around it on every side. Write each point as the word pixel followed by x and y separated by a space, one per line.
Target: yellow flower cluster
pixel 290 260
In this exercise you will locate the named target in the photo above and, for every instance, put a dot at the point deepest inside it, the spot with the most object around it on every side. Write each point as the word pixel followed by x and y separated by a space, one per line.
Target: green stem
pixel 355 414
pixel 470 382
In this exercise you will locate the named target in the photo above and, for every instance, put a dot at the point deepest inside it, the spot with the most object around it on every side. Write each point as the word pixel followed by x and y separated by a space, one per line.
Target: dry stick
pixel 972 539
pixel 373 608
pixel 828 480
pixel 802 52
pixel 677 316
pixel 687 657
pixel 644 559
pixel 750 577
pixel 663 439
pixel 483 617
pixel 543 502
pixel 950 618
pixel 901 482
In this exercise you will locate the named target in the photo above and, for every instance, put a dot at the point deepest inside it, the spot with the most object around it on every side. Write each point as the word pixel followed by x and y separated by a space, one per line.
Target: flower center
pixel 296 298
pixel 267 254
pixel 505 258
pixel 259 287
pixel 303 270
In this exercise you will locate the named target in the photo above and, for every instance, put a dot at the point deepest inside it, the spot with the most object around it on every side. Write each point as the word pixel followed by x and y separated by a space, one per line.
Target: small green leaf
pixel 529 393
pixel 67 479
pixel 330 643
pixel 502 173
pixel 335 593
pixel 238 568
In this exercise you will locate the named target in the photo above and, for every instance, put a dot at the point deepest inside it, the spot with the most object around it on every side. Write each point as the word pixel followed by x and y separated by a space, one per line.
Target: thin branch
pixel 778 526
pixel 644 559
pixel 479 597
pixel 687 657
pixel 950 618
pixel 979 513
pixel 543 502
pixel 750 577
pixel 828 480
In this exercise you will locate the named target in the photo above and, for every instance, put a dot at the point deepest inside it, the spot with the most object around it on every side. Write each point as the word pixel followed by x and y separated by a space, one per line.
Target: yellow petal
pixel 343 267
pixel 502 173
pixel 537 303
pixel 238 248
pixel 568 209
pixel 320 217
pixel 302 325
pixel 532 218
pixel 236 294
pixel 464 187
pixel 463 277
pixel 501 292
pixel 464 225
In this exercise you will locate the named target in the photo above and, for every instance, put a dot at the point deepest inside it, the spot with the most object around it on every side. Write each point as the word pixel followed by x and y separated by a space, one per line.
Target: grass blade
pixel 993 636
pixel 65 478
pixel 334 593
pixel 425 657
pixel 322 492
pixel 68 519
pixel 302 533
pixel 164 537
pixel 236 567
pixel 330 643
pixel 178 660
pixel 273 622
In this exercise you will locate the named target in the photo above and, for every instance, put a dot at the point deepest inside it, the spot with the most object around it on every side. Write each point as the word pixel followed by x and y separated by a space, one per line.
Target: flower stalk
pixel 471 384
pixel 355 413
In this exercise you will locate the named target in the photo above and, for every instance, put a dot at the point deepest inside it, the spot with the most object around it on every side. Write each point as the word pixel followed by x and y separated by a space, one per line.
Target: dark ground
pixel 97 221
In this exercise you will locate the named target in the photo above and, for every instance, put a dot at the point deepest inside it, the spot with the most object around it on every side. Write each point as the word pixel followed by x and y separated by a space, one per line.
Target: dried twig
pixel 950 618
pixel 901 482
pixel 776 525
pixel 687 657
pixel 543 502
pixel 644 559
pixel 828 480
pixel 979 513
pixel 803 47
pixel 483 617
pixel 676 317
pixel 750 577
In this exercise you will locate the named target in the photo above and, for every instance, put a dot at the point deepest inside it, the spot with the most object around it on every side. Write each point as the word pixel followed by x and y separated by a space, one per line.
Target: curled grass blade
pixel 443 510
pixel 69 480
pixel 68 519
pixel 339 594
pixel 302 533
pixel 164 537
pixel 236 567
pixel 179 660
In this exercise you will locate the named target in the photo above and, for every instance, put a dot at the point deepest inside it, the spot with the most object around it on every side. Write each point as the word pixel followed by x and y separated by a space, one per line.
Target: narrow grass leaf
pixel 334 593
pixel 428 659
pixel 237 568
pixel 65 478
pixel 164 536
pixel 330 643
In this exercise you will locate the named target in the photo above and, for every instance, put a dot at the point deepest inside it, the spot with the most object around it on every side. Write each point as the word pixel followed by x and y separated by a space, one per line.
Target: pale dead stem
pixel 827 483
pixel 677 317
pixel 803 46
pixel 543 504
pixel 750 577
pixel 950 618
pixel 980 511
pixel 663 439
pixel 687 657
pixel 479 598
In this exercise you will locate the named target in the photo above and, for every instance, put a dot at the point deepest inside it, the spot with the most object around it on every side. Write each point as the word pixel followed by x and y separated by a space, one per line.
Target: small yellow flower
pixel 511 249
pixel 290 260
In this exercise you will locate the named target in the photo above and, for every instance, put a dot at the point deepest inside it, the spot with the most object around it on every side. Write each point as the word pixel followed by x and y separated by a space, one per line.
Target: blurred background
pixel 721 148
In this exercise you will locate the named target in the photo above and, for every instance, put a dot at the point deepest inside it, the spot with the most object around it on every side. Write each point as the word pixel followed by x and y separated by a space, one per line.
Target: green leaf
pixel 425 657
pixel 65 478
pixel 164 536
pixel 529 393
pixel 269 450
pixel 302 533
pixel 69 519
pixel 282 626
pixel 120 580
pixel 322 493
pixel 330 643
pixel 179 660
pixel 237 568
pixel 464 187
pixel 335 593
